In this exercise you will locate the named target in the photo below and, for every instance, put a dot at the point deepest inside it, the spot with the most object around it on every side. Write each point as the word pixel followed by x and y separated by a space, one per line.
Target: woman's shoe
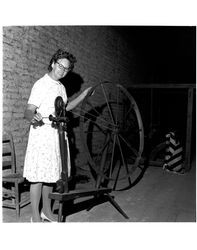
pixel 44 217
pixel 31 220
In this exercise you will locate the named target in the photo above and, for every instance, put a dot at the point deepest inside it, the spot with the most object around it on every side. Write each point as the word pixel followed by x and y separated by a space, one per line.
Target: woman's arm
pixel 72 104
pixel 30 112
pixel 32 116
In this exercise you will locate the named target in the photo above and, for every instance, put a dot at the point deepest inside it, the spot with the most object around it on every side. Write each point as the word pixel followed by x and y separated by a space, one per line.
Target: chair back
pixel 8 154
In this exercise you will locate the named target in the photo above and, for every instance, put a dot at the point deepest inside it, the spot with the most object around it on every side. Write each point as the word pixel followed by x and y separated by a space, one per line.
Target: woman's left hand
pixel 72 104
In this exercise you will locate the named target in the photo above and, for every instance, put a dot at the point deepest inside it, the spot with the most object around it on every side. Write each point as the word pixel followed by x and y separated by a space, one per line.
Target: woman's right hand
pixel 37 120
pixel 37 117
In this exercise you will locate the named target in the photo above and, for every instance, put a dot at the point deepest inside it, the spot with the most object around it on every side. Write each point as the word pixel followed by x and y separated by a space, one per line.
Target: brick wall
pixel 101 55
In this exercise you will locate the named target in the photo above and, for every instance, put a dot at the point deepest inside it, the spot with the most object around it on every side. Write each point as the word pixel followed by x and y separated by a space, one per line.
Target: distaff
pixel 60 122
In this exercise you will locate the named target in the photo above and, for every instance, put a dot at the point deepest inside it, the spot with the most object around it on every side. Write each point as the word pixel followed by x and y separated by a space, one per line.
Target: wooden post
pixel 188 142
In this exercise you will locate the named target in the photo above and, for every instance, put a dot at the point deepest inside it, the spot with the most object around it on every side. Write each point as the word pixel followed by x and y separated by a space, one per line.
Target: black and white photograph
pixel 98 125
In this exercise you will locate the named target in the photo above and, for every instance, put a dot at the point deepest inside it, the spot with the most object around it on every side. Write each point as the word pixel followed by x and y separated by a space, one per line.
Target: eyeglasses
pixel 62 67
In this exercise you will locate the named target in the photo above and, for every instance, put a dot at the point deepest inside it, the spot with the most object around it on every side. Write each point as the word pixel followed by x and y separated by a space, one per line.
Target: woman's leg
pixel 47 188
pixel 35 195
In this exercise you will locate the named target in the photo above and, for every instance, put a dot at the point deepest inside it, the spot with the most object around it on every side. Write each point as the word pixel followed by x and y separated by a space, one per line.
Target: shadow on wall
pixel 72 82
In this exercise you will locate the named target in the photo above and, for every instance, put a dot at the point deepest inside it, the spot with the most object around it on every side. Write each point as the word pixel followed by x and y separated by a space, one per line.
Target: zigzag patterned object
pixel 174 154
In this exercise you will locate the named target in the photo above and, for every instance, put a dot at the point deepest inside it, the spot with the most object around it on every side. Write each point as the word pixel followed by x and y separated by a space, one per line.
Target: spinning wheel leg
pixel 112 201
pixel 115 204
pixel 60 211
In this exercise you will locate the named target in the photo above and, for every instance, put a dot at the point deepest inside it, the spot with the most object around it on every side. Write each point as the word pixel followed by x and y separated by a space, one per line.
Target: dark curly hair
pixel 62 54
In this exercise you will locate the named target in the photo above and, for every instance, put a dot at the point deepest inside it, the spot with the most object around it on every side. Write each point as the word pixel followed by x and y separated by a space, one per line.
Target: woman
pixel 42 161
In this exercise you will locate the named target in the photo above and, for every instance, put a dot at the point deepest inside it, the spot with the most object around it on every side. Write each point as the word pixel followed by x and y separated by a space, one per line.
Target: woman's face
pixel 60 68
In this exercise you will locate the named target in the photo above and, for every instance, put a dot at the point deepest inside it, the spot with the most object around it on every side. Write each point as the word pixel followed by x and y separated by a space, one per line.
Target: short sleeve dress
pixel 42 159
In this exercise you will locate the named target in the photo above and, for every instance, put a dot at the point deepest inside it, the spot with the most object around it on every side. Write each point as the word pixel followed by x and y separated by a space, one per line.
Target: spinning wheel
pixel 112 134
pixel 63 193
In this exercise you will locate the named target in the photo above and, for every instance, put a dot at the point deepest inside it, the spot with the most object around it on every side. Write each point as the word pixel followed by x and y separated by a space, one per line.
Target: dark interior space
pixel 164 54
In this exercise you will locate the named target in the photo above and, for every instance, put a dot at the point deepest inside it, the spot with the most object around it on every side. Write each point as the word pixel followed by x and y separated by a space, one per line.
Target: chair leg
pixel 17 201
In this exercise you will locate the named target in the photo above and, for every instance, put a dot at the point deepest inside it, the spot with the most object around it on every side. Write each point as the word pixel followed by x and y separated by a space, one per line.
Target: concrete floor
pixel 158 197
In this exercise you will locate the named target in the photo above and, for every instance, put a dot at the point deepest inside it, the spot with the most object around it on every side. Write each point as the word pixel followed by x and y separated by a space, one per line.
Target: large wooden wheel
pixel 112 135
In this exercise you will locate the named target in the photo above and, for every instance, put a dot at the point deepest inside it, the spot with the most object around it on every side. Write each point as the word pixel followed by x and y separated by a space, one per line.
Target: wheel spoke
pixel 112 157
pixel 130 109
pixel 123 160
pixel 103 148
pixel 100 128
pixel 129 145
pixel 109 108
pixel 87 115
pixel 95 131
pixel 99 125
pixel 98 114
pixel 90 116
pixel 117 100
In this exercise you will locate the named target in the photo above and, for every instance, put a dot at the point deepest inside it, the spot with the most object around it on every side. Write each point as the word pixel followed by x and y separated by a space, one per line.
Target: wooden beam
pixel 78 194
pixel 164 86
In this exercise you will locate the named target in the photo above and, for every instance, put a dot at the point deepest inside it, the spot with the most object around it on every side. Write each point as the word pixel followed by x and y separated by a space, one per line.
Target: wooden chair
pixel 11 178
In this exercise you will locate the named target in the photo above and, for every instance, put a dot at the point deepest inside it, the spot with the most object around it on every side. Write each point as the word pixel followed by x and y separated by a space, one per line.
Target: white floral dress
pixel 42 160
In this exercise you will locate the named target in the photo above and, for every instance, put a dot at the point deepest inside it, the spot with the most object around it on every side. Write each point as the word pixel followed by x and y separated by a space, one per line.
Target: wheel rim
pixel 112 132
